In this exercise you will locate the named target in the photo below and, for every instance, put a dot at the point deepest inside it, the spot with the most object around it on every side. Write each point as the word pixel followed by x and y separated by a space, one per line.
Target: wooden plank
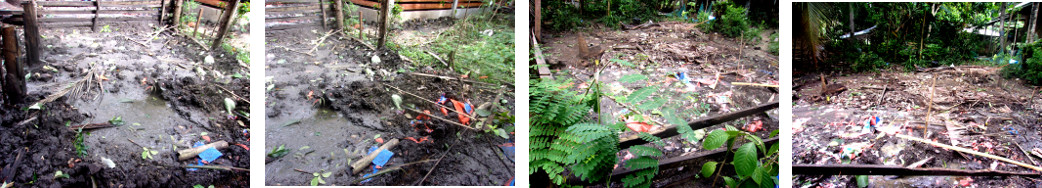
pixel 420 6
pixel 308 18
pixel 32 33
pixel 14 81
pixel 213 3
pixel 543 70
pixel 91 3
pixel 310 13
pixel 100 19
pixel 92 12
pixel 699 124
pixel 290 8
pixel 537 13
pixel 226 23
pixel 864 169
pixel 288 2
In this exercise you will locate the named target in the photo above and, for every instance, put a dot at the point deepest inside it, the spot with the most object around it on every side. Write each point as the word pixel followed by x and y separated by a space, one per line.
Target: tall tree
pixel 1002 28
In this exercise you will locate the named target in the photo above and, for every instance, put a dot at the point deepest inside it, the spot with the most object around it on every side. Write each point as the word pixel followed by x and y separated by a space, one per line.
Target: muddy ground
pixel 659 52
pixel 328 106
pixel 159 90
pixel 973 107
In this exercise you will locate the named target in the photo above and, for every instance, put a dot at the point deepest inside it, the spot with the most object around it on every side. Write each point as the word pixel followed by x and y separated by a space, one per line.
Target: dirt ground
pixel 659 52
pixel 328 107
pixel 164 91
pixel 973 107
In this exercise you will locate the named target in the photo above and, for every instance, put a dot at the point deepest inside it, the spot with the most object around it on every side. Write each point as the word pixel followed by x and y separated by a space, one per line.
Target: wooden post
pixel 14 80
pixel 385 13
pixel 537 27
pixel 339 13
pixel 97 11
pixel 455 4
pixel 361 26
pixel 198 18
pixel 1034 22
pixel 226 18
pixel 32 33
pixel 162 12
pixel 322 6
pixel 1002 29
pixel 177 13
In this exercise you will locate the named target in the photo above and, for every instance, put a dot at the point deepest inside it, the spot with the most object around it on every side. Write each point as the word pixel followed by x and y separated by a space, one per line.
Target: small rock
pixel 208 60
pixel 108 162
pixel 376 59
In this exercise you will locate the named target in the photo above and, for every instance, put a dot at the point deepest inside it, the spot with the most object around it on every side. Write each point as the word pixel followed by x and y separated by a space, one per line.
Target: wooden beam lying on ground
pixel 969 151
pixel 542 68
pixel 360 165
pixel 862 169
pixel 673 162
pixel 699 124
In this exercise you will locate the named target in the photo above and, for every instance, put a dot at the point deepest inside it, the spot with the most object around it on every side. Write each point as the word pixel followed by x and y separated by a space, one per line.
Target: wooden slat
pixel 91 3
pixel 291 8
pixel 294 15
pixel 289 2
pixel 419 6
pixel 85 24
pixel 101 19
pixel 314 18
pixel 91 12
pixel 699 124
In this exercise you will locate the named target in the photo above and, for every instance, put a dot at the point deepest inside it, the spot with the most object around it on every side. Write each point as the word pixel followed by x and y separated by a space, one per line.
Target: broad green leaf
pixel 773 150
pixel 758 141
pixel 715 140
pixel 862 181
pixel 758 176
pixel 708 168
pixel 327 174
pixel 314 181
pixel 730 182
pixel 745 159
pixel 773 134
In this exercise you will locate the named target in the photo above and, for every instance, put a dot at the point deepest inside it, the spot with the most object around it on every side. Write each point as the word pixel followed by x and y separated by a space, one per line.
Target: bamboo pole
pixel 964 150
pixel 198 19
pixel 360 165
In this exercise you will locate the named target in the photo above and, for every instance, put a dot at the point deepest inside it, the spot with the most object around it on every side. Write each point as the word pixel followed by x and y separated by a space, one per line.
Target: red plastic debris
pixel 421 140
pixel 966 182
pixel 207 138
pixel 380 140
pixel 445 112
pixel 755 125
pixel 243 146
pixel 639 126
pixel 459 110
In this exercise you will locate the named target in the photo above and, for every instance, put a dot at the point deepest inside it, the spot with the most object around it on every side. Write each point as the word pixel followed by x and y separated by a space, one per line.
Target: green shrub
pixel 733 21
pixel 1031 68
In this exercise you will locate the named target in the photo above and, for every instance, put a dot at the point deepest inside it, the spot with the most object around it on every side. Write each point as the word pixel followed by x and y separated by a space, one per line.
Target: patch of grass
pixel 478 46
pixel 81 148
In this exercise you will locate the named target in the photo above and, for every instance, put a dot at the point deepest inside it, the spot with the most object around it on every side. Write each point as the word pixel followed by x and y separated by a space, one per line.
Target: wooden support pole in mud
pixel 97 12
pixel 226 23
pixel 32 34
pixel 197 22
pixel 162 11
pixel 969 151
pixel 537 24
pixel 177 14
pixel 14 82
pixel 339 14
pixel 699 124
pixel 929 108
pixel 190 153
pixel 322 6
pixel 385 13
pixel 360 165
pixel 361 27
pixel 862 169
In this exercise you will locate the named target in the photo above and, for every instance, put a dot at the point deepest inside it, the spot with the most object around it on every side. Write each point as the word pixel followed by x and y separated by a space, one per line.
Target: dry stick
pixel 388 170
pixel 442 119
pixel 495 105
pixel 752 84
pixel 438 58
pixel 862 169
pixel 135 143
pixel 424 99
pixel 228 168
pixel 153 35
pixel 321 40
pixel 1018 163
pixel 233 94
pixel 436 164
pixel 198 17
pixel 1025 153
pixel 359 165
pixel 880 101
pixel 929 107
pixel 447 78
pixel 91 126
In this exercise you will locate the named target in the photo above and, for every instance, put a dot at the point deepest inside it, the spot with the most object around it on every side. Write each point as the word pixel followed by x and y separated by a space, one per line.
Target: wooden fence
pixel 285 14
pixel 95 13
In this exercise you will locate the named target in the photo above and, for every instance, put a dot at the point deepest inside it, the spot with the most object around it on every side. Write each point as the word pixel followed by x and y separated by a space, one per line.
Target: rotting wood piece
pixel 32 33
pixel 14 85
pixel 862 169
pixel 699 124
pixel 339 14
pixel 91 126
pixel 542 68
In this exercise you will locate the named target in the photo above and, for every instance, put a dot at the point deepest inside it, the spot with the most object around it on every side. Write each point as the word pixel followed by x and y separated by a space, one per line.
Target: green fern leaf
pixel 641 151
pixel 631 78
pixel 641 94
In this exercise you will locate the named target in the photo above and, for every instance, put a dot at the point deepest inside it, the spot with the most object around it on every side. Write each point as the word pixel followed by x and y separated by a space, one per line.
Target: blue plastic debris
pixel 467 107
pixel 381 158
pixel 508 151
pixel 1012 61
pixel 370 174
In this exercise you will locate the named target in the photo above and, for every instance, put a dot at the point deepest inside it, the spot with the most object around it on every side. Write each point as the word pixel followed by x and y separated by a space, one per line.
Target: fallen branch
pixel 322 40
pixel 227 168
pixel 447 78
pixel 442 119
pixel 699 124
pixel 752 84
pixel 190 153
pixel 360 165
pixel 495 105
pixel 969 151
pixel 363 43
pixel 880 101
pixel 860 169
pixel 436 164
pixel 153 35
pixel 672 162
pixel 438 58
pixel 91 126
pixel 233 94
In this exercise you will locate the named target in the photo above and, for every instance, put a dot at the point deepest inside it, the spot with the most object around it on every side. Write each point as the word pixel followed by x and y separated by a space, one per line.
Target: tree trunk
pixel 851 5
pixel 1034 20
